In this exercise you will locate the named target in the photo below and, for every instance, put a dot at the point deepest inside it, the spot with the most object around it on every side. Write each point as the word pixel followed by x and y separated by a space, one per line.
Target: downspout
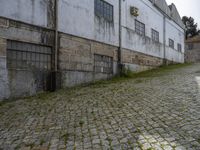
pixel 164 40
pixel 54 72
pixel 56 36
pixel 120 39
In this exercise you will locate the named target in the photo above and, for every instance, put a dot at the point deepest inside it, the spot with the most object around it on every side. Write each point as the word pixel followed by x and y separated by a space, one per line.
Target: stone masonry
pixel 4 86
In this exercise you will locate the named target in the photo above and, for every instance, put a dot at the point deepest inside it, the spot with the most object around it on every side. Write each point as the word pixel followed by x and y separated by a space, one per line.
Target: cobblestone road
pixel 158 112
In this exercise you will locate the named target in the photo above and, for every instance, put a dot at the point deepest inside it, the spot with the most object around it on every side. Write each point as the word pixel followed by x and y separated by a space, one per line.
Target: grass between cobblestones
pixel 162 70
pixel 152 110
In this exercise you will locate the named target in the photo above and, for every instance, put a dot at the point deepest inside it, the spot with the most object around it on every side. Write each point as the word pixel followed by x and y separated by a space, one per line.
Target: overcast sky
pixel 188 8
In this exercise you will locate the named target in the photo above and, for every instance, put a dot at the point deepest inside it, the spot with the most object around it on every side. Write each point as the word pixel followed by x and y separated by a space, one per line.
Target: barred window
pixel 139 28
pixel 103 64
pixel 190 46
pixel 179 46
pixel 155 35
pixel 103 9
pixel 21 55
pixel 171 43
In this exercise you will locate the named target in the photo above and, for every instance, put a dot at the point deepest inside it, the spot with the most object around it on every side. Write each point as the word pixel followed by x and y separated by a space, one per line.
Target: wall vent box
pixel 134 11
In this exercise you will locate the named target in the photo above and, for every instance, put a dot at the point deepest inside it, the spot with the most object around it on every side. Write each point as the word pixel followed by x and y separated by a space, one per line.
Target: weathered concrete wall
pixel 143 44
pixel 137 61
pixel 76 60
pixel 30 11
pixel 18 82
pixel 192 56
pixel 174 32
pixel 4 86
pixel 78 18
pixel 174 56
pixel 148 15
pixel 153 19
pixel 22 32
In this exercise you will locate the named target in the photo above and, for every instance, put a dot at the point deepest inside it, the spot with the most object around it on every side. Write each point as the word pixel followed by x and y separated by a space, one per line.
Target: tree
pixel 191 27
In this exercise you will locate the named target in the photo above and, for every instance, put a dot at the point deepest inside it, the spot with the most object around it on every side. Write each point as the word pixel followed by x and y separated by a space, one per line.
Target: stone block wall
pixel 76 60
pixel 136 61
pixel 192 56
pixel 4 86
pixel 192 52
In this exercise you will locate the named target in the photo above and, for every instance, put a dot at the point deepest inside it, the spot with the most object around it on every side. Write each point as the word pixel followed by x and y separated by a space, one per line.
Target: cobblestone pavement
pixel 158 112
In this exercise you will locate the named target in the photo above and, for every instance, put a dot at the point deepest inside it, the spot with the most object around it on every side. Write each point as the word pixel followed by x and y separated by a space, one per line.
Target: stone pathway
pixel 161 112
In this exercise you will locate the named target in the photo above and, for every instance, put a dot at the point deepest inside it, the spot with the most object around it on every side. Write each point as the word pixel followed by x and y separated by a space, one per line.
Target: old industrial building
pixel 83 40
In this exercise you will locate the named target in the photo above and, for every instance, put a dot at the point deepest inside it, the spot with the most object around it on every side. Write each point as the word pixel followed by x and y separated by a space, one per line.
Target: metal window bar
pixel 140 28
pixel 104 9
pixel 103 64
pixel 22 55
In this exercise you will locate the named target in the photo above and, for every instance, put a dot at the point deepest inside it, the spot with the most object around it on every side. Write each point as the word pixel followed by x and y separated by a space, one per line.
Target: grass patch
pixel 42 141
pixel 81 123
pixel 65 137
pixel 127 74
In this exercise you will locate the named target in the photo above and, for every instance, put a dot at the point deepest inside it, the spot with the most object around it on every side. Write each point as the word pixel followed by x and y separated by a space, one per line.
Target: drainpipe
pixel 120 39
pixel 56 35
pixel 54 72
pixel 164 39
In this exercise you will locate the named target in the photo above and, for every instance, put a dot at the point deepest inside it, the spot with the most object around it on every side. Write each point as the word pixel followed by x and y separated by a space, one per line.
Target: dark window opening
pixel 155 35
pixel 179 46
pixel 103 9
pixel 139 28
pixel 171 43
pixel 103 64
pixel 21 55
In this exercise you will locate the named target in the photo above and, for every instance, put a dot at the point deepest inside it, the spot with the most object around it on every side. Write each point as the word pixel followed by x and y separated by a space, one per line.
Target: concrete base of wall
pixel 4 84
pixel 72 78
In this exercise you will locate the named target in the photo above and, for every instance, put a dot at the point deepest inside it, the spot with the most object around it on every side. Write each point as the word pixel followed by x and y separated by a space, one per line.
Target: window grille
pixel 21 55
pixel 103 64
pixel 171 43
pixel 179 46
pixel 140 28
pixel 104 9
pixel 155 35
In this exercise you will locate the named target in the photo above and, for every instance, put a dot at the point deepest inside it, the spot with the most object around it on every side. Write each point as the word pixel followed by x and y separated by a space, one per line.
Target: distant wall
pixel 192 52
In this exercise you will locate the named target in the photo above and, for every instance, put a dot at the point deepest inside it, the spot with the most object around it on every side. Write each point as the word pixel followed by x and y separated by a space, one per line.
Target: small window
pixel 155 35
pixel 171 43
pixel 139 28
pixel 190 46
pixel 103 64
pixel 179 47
pixel 103 9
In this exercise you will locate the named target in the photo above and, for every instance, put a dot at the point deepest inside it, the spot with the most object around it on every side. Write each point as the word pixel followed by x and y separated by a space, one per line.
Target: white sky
pixel 188 8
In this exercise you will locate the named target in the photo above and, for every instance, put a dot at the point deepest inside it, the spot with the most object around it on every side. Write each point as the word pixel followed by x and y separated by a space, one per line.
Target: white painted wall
pixel 174 32
pixel 78 18
pixel 152 18
pixel 29 11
